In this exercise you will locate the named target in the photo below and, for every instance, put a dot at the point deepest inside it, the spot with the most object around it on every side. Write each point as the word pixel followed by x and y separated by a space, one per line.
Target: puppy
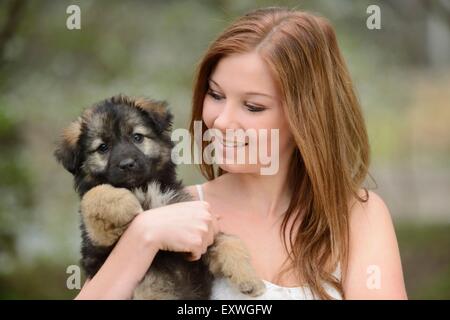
pixel 119 152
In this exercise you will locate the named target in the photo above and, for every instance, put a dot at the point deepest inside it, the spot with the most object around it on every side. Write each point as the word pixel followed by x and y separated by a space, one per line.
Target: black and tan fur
pixel 119 152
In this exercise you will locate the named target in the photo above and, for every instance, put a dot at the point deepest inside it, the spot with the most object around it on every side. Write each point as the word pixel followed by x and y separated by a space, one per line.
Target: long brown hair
pixel 331 160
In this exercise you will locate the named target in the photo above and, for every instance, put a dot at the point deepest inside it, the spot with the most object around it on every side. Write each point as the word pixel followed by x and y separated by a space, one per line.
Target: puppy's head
pixel 121 141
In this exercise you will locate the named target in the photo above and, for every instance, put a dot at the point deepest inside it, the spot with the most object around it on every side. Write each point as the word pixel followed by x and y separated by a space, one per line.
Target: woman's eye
pixel 103 148
pixel 252 108
pixel 214 95
pixel 137 137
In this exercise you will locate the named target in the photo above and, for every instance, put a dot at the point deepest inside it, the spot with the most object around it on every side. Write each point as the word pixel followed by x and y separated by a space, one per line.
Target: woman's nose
pixel 227 118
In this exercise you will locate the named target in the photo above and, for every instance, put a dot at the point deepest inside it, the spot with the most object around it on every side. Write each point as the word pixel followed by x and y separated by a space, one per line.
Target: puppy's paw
pixel 253 287
pixel 107 211
pixel 229 257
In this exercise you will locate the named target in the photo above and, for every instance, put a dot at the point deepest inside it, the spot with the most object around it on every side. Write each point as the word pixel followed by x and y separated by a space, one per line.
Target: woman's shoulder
pixel 192 190
pixel 210 189
pixel 373 212
pixel 373 250
pixel 369 221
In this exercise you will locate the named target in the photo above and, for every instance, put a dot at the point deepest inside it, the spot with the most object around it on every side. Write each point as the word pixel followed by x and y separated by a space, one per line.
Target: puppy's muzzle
pixel 128 165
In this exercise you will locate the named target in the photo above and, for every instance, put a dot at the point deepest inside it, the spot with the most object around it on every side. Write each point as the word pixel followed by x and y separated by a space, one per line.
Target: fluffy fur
pixel 119 151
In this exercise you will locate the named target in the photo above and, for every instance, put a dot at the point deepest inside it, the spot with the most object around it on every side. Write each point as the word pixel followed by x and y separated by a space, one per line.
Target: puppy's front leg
pixel 229 257
pixel 107 211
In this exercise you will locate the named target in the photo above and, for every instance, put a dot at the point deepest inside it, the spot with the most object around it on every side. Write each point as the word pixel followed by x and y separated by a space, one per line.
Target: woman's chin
pixel 240 168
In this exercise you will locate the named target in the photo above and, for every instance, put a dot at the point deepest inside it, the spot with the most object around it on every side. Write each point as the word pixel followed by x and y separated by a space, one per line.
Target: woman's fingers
pixel 194 257
pixel 206 232
pixel 192 232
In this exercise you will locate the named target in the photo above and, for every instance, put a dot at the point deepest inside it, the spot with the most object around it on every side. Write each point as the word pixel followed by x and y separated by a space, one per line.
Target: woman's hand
pixel 182 227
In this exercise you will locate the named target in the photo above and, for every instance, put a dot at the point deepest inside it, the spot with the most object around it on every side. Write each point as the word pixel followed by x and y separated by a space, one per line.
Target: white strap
pixel 200 192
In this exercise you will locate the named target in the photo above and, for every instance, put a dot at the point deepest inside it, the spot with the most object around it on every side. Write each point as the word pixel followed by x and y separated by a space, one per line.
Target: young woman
pixel 311 230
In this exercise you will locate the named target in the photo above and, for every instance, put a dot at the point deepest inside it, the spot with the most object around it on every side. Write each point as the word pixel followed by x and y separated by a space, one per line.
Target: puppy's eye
pixel 103 148
pixel 137 137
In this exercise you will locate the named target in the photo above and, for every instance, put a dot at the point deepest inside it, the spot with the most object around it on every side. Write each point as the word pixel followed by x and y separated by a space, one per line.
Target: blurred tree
pixel 419 22
pixel 14 14
pixel 15 188
pixel 15 182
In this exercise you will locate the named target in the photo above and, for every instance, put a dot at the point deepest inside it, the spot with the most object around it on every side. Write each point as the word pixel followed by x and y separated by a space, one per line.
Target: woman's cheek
pixel 207 114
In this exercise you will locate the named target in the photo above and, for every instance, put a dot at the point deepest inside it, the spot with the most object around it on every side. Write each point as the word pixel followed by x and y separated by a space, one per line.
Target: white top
pixel 201 197
pixel 223 290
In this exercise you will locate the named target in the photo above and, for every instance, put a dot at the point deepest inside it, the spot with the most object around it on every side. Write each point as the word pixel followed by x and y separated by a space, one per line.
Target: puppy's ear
pixel 158 112
pixel 68 151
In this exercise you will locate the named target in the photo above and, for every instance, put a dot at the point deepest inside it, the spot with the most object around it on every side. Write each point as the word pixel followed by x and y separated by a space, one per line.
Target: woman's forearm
pixel 124 268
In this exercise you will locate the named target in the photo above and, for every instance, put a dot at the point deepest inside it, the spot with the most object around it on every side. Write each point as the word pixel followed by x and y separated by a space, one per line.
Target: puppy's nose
pixel 127 164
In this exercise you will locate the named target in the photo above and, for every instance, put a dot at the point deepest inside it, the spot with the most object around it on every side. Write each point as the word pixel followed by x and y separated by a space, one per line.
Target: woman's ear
pixel 68 151
pixel 158 113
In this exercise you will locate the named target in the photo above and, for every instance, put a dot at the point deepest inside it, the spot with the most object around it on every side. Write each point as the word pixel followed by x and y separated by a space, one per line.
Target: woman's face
pixel 243 96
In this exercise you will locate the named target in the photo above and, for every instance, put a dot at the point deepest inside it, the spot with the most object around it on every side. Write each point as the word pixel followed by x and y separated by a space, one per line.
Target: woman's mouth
pixel 232 144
